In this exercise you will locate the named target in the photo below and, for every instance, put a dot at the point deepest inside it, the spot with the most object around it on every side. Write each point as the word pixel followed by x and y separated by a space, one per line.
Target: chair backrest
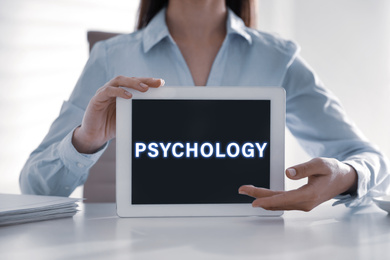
pixel 95 36
pixel 100 185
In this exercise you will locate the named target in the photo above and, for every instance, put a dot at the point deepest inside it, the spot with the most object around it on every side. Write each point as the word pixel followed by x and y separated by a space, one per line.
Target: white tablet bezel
pixel 123 150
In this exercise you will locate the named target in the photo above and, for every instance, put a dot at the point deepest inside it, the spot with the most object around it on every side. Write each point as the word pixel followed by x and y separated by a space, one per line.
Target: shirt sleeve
pixel 317 119
pixel 56 167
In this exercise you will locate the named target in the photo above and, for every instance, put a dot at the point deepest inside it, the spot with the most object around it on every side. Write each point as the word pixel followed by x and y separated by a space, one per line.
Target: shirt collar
pixel 157 29
pixel 235 25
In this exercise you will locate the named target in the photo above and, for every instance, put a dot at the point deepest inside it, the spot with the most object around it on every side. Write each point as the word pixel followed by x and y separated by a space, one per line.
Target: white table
pixel 97 233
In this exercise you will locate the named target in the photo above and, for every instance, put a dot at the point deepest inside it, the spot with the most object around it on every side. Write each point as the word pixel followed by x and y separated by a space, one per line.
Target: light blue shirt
pixel 247 58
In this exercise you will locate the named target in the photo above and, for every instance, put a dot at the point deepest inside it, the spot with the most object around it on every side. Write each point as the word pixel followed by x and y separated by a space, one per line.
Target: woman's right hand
pixel 99 122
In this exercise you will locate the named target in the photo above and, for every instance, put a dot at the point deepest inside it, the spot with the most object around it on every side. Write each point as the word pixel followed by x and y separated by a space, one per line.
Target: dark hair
pixel 245 9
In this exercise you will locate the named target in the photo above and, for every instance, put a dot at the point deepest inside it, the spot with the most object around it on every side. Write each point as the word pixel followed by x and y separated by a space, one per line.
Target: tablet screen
pixel 198 151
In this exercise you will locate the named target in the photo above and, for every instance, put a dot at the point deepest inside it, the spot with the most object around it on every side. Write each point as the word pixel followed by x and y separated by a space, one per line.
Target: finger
pixel 255 192
pixel 313 167
pixel 109 92
pixel 140 84
pixel 300 199
pixel 153 82
pixel 128 82
pixel 297 206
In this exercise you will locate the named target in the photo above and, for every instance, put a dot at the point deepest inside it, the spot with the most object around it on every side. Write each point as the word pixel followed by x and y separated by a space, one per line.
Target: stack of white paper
pixel 16 209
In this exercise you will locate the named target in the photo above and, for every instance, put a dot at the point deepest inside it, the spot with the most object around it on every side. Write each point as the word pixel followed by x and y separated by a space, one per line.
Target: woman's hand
pixel 99 122
pixel 327 178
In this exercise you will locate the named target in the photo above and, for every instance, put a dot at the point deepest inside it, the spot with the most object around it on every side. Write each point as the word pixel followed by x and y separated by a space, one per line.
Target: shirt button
pixel 80 165
pixel 66 187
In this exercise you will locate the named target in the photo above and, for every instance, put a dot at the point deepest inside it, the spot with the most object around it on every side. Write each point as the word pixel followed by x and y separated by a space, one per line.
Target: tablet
pixel 185 151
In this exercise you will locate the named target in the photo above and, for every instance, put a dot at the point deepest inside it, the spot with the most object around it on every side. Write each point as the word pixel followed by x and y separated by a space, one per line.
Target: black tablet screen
pixel 198 151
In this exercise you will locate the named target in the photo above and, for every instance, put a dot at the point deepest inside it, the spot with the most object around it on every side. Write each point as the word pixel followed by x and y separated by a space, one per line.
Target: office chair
pixel 100 185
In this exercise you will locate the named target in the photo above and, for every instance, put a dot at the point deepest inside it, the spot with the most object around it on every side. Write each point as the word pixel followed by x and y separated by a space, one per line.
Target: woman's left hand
pixel 327 178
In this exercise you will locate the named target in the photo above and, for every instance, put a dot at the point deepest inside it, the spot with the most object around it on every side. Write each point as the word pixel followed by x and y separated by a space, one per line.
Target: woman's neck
pixel 200 19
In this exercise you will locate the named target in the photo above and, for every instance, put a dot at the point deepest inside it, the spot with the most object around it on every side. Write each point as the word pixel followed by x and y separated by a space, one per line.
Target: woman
pixel 203 42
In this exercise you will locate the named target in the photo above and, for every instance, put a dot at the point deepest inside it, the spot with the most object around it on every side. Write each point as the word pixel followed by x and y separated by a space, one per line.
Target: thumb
pixel 304 170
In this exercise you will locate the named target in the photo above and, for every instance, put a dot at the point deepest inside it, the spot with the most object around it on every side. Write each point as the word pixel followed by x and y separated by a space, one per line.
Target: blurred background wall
pixel 43 49
pixel 347 42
